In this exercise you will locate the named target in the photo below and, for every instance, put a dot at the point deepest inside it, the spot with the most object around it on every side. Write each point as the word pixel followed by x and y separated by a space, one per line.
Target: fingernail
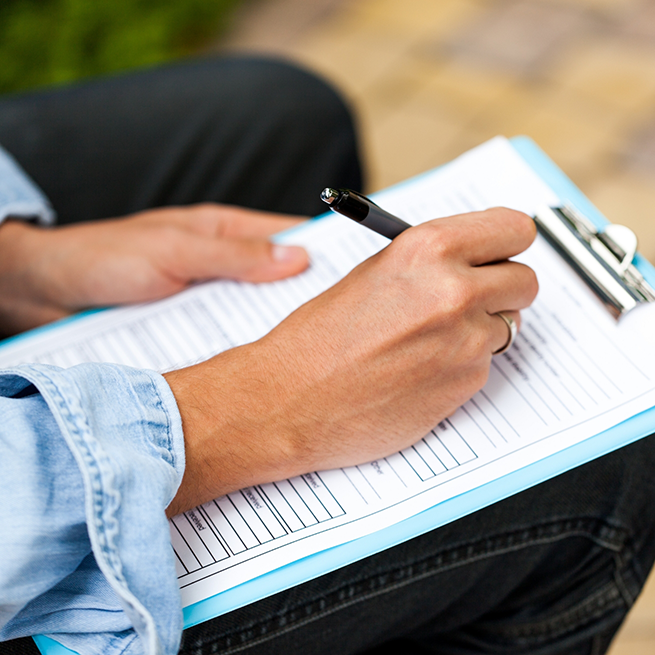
pixel 284 254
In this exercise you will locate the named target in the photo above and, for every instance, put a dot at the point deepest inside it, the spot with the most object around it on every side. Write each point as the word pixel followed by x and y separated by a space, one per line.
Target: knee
pixel 293 98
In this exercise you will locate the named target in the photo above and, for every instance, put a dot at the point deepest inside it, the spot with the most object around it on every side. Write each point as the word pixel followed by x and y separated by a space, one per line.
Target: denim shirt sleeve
pixel 19 196
pixel 90 457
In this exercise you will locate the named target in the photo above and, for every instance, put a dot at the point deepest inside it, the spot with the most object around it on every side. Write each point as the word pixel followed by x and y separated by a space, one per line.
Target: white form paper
pixel 573 372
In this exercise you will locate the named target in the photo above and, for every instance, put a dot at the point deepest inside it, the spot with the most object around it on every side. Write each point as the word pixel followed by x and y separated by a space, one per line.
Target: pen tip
pixel 329 195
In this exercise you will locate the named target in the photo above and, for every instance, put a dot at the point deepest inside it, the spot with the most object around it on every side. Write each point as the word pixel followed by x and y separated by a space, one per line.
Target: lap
pixel 246 131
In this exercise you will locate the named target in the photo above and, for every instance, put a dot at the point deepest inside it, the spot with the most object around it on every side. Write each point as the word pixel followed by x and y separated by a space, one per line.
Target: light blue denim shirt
pixel 89 459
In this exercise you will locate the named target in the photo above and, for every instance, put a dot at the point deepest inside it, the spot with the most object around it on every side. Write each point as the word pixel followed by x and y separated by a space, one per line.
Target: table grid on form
pixel 241 521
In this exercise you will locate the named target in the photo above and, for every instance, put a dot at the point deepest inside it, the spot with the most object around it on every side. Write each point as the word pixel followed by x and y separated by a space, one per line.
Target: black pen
pixel 364 211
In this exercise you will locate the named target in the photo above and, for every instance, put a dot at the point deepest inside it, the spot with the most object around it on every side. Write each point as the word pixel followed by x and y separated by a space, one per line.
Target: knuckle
pixel 406 246
pixel 529 283
pixel 458 293
pixel 533 284
pixel 428 242
pixel 443 240
pixel 479 378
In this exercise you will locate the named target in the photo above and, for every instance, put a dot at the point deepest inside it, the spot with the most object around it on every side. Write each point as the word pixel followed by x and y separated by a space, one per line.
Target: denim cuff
pixel 124 431
pixel 19 196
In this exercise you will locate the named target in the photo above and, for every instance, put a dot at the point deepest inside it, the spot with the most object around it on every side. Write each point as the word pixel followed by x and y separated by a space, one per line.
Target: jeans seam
pixel 605 598
pixel 613 545
pixel 621 585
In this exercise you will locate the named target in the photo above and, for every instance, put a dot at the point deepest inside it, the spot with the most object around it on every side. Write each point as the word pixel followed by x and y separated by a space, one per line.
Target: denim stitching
pixel 76 426
pixel 65 396
pixel 160 407
pixel 621 585
pixel 600 533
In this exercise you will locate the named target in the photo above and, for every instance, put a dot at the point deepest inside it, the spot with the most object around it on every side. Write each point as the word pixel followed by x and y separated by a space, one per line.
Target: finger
pixel 505 286
pixel 251 260
pixel 484 237
pixel 500 331
pixel 214 220
pixel 240 223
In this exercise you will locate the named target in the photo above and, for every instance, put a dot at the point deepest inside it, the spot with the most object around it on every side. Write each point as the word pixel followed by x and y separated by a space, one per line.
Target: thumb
pixel 249 260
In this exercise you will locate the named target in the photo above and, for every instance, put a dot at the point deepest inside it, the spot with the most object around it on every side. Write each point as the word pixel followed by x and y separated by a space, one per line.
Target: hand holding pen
pixel 364 211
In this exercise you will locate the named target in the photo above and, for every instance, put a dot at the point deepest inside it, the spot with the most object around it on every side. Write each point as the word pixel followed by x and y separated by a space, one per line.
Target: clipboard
pixel 605 442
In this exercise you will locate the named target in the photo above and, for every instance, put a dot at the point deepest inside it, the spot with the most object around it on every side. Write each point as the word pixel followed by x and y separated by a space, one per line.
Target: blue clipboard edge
pixel 455 508
pixel 329 560
pixel 49 646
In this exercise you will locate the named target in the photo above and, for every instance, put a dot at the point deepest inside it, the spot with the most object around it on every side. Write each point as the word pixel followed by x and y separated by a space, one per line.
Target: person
pixel 93 458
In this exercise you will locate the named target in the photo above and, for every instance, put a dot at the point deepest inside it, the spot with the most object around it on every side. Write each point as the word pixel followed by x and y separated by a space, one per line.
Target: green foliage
pixel 53 41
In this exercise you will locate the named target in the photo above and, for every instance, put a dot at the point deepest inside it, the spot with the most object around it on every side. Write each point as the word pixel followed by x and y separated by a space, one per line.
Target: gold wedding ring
pixel 513 329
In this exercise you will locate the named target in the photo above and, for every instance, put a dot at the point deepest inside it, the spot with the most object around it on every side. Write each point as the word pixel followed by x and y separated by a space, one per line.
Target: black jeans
pixel 551 570
pixel 246 132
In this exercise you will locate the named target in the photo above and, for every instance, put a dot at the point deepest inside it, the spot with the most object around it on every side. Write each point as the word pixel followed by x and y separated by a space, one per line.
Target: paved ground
pixel 431 79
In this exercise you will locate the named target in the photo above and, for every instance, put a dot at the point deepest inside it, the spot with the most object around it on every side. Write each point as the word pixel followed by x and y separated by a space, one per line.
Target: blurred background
pixel 428 79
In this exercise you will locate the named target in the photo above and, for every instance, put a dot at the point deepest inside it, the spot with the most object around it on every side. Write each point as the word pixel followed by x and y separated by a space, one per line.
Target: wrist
pixel 226 405
pixel 22 301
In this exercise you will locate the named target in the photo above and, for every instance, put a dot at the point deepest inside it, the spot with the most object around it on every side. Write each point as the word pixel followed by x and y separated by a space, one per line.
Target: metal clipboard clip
pixel 602 258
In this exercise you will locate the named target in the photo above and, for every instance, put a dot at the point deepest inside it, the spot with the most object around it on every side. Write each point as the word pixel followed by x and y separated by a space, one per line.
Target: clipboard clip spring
pixel 604 259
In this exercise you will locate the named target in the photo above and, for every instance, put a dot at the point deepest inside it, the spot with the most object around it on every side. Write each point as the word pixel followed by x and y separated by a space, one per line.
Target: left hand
pixel 50 273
